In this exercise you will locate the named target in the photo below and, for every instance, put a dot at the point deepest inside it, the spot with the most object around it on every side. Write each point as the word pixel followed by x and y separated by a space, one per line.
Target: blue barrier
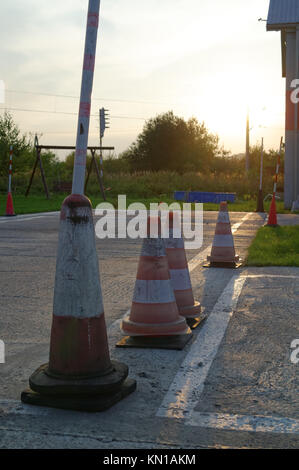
pixel 202 196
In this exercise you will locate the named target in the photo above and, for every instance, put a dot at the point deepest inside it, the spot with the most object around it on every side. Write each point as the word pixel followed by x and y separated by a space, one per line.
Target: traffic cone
pixel 179 274
pixel 272 218
pixel 154 320
pixel 80 374
pixel 9 206
pixel 223 251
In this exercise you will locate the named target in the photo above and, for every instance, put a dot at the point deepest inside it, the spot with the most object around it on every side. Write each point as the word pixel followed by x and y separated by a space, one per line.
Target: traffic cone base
pixel 224 264
pixel 9 206
pixel 177 342
pixel 193 314
pixel 94 395
pixel 80 374
pixel 176 327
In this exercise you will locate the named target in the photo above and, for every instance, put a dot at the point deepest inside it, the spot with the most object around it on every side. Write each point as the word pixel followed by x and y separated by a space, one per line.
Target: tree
pixel 168 142
pixel 10 134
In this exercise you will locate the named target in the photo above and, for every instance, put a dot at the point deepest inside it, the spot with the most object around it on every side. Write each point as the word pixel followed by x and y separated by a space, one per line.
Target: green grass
pixel 277 246
pixel 38 203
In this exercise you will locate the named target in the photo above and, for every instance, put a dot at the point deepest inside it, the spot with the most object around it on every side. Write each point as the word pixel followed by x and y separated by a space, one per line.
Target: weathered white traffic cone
pixel 80 374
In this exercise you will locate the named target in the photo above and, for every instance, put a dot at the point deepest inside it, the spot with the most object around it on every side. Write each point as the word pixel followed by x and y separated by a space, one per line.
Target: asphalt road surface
pixel 234 384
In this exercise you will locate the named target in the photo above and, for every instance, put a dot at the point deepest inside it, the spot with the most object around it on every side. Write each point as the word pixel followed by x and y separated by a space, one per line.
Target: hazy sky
pixel 202 58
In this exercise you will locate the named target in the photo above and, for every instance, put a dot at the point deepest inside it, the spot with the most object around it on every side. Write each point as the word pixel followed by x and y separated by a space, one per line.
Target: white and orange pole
pixel 272 218
pixel 277 167
pixel 260 200
pixel 85 97
pixel 10 168
pixel 80 374
pixel 9 205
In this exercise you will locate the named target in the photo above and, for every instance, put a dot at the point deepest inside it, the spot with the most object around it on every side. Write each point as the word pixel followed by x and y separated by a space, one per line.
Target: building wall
pixel 290 129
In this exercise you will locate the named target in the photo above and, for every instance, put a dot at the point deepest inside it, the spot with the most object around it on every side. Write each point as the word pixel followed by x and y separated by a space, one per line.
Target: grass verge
pixel 39 203
pixel 277 246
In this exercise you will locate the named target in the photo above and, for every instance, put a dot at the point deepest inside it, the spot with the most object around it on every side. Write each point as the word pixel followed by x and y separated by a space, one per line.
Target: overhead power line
pixel 65 113
pixel 21 92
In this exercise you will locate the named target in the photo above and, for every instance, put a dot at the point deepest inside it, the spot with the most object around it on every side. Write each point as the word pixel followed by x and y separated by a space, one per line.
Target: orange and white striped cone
pixel 180 276
pixel 223 253
pixel 154 320
pixel 9 206
pixel 272 217
pixel 80 374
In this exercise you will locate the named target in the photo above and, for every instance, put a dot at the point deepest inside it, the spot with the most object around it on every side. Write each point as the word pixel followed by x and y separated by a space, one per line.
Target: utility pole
pixel 247 142
pixel 260 200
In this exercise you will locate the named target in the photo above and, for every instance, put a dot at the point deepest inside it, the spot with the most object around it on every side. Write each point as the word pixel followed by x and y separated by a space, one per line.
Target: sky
pixel 211 59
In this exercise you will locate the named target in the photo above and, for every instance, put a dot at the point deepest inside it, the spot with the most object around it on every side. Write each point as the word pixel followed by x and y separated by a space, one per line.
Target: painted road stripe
pixel 184 393
pixel 224 422
pixel 227 422
pixel 286 276
pixel 27 217
pixel 17 219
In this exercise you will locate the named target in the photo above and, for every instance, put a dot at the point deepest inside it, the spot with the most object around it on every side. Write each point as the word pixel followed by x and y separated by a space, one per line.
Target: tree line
pixel 166 143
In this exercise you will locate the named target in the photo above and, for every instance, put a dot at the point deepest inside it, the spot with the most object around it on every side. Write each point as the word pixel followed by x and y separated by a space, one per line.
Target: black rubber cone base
pixel 90 403
pixel 75 393
pixel 177 342
pixel 195 322
pixel 224 265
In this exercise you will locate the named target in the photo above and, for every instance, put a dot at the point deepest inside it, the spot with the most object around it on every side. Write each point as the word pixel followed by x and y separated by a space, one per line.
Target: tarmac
pixel 233 386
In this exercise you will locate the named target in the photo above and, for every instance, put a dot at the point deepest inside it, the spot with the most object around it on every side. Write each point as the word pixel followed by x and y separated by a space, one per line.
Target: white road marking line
pixel 286 276
pixel 227 422
pixel 193 263
pixel 220 421
pixel 188 383
pixel 18 219
pixel 23 217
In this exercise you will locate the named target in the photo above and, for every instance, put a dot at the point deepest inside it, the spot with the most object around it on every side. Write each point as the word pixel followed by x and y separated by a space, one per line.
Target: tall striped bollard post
pixel 9 204
pixel 260 199
pixel 80 374
pixel 272 218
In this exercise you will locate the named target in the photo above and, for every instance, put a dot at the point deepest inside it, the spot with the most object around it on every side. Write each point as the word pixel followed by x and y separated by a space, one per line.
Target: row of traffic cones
pixel 80 374
pixel 163 307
